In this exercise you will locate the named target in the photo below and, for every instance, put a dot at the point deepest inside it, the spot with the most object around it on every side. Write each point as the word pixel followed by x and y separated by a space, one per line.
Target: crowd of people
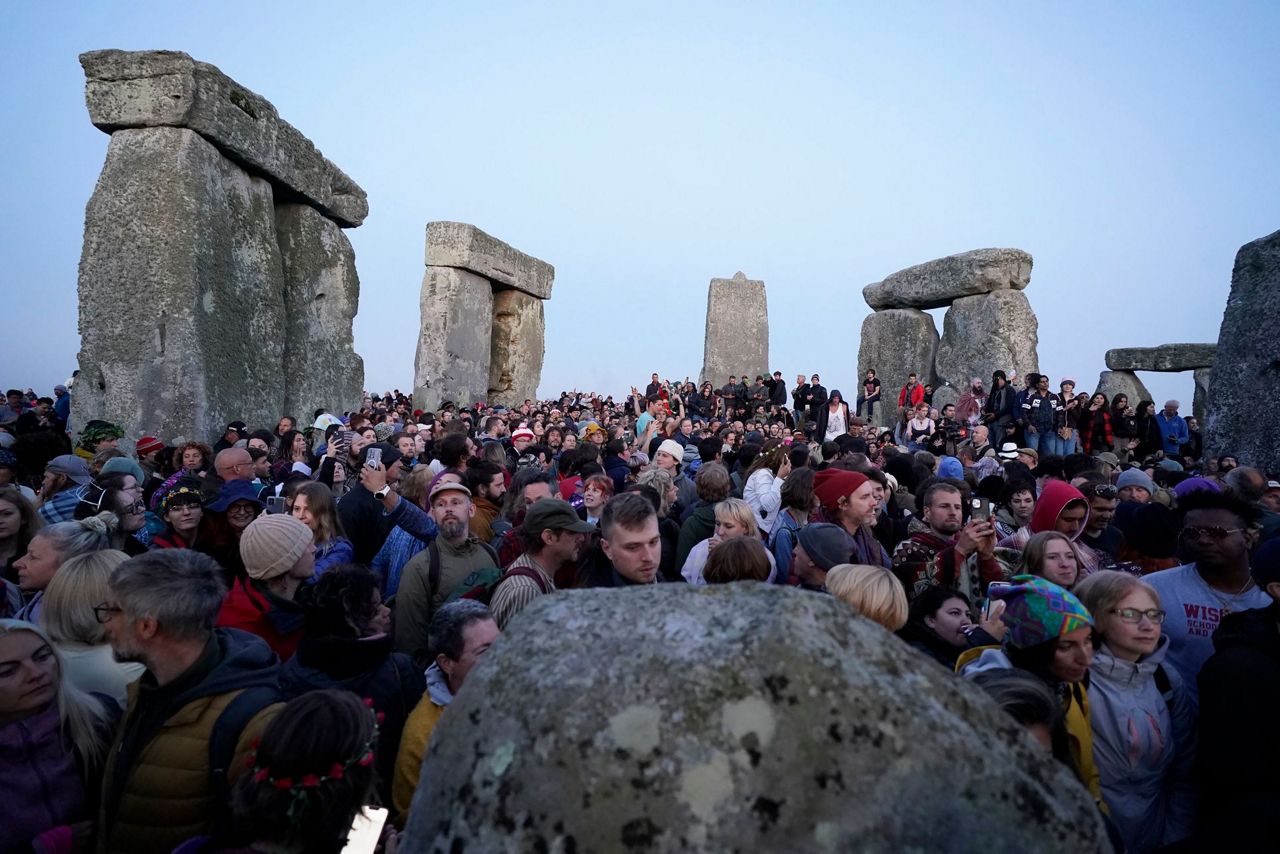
pixel 240 644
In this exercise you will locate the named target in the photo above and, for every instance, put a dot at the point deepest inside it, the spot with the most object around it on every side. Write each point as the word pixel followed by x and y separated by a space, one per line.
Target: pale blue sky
pixel 1130 147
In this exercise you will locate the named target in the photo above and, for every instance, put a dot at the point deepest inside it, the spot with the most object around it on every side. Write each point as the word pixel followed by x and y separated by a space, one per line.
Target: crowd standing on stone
pixel 236 645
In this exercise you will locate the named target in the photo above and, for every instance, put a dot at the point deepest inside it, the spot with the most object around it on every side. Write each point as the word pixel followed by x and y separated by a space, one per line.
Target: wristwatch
pixel 383 493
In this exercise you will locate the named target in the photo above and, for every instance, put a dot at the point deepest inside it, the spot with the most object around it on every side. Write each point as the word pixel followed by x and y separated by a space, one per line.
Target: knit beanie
pixel 1037 610
pixel 147 444
pixel 672 447
pixel 830 485
pixel 272 544
pixel 1135 477
pixel 951 467
pixel 124 465
pixel 1195 484
pixel 383 431
pixel 826 545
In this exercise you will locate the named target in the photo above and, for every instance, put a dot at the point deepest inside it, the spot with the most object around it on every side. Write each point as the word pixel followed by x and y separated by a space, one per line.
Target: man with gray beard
pixel 432 574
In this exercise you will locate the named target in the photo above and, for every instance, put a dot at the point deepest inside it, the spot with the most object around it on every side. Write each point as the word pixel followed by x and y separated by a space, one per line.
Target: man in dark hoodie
pixel 192 718
pixel 1239 696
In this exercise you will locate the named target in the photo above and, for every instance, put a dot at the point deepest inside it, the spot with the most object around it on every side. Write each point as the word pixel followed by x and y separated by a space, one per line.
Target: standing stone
pixel 895 342
pixel 737 337
pixel 935 284
pixel 945 394
pixel 452 362
pixel 687 727
pixel 984 333
pixel 1200 400
pixel 181 290
pixel 515 358
pixel 1127 383
pixel 321 296
pixel 1236 417
pixel 459 244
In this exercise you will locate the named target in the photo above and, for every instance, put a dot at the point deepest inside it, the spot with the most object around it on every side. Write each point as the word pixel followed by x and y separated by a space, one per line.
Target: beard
pixel 454 529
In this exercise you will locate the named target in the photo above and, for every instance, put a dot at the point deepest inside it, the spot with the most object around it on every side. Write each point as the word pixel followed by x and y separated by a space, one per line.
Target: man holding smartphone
pixel 942 549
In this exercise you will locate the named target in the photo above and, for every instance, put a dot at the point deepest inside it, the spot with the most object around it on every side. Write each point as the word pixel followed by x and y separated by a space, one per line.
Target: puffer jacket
pixel 158 788
pixel 366 667
pixel 1144 747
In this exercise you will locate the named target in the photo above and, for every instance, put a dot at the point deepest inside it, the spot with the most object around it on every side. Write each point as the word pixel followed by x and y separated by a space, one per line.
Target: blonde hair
pixel 737 510
pixel 84 719
pixel 413 486
pixel 1032 562
pixel 1103 590
pixel 66 612
pixel 661 480
pixel 871 591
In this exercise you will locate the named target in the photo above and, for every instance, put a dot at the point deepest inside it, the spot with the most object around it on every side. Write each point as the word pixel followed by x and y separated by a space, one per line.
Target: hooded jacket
pixel 368 668
pixel 1143 746
pixel 157 789
pixel 1238 754
pixel 252 608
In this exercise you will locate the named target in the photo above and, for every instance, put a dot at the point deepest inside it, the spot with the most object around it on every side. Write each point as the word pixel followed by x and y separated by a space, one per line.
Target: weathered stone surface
pixel 947 394
pixel 454 345
pixel 984 333
pixel 181 291
pixel 737 334
pixel 515 360
pixel 156 88
pixel 938 283
pixel 672 720
pixel 1249 347
pixel 895 342
pixel 1127 383
pixel 457 244
pixel 321 298
pixel 1200 401
pixel 1167 358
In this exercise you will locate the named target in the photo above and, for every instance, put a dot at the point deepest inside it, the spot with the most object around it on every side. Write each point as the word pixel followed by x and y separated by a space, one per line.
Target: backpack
pixel 433 570
pixel 481 584
pixel 227 730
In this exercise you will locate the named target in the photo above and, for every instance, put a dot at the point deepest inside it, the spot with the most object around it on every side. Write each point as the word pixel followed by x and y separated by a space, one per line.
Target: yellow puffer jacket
pixel 165 795
pixel 413 747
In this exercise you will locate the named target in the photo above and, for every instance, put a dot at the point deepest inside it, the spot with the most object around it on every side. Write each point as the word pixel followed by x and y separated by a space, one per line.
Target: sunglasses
pixel 1213 533
pixel 1101 490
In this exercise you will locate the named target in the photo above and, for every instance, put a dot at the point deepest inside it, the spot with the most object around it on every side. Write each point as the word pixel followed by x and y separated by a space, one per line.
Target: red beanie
pixel 830 485
pixel 147 444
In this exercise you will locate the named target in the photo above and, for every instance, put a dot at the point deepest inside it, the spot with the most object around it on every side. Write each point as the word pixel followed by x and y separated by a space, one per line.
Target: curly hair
pixel 342 603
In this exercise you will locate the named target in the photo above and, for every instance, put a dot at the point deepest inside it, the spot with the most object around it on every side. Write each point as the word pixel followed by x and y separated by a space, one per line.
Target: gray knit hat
pixel 1135 477
pixel 826 545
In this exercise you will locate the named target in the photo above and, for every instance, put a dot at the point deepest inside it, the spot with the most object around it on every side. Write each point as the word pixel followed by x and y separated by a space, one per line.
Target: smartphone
pixel 366 831
pixel 991 597
pixel 373 457
pixel 274 503
pixel 345 437
pixel 981 509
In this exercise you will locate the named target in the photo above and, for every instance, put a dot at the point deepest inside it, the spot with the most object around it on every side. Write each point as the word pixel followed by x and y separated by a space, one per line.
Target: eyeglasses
pixel 102 613
pixel 1101 490
pixel 1208 532
pixel 1135 615
pixel 242 509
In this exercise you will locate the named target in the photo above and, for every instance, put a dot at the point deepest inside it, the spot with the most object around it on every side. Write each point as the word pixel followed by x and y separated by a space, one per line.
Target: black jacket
pixel 1238 756
pixel 365 521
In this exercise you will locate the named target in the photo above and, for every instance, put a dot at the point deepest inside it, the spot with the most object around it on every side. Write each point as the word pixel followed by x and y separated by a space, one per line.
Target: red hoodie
pixel 1055 496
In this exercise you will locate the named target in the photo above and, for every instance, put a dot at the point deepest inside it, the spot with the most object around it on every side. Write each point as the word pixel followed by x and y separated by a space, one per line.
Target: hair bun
pixel 104 523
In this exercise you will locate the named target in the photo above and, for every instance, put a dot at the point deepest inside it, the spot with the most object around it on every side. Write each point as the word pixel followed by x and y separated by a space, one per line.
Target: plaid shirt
pixel 61 507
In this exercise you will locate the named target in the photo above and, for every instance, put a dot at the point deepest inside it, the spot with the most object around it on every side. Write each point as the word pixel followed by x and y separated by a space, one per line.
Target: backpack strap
pixel 523 572
pixel 1164 686
pixel 226 734
pixel 493 553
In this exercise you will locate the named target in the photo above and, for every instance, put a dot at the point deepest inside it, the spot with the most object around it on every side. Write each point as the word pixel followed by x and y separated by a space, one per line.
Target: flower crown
pixel 297 787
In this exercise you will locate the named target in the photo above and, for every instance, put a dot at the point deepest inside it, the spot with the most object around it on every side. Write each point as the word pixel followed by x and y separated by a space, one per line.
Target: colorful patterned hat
pixel 1037 610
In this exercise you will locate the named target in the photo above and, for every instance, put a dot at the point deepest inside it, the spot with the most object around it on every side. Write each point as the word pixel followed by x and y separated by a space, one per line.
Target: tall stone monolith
pixel 895 342
pixel 454 346
pixel 515 355
pixel 737 332
pixel 1246 376
pixel 181 290
pixel 981 334
pixel 212 242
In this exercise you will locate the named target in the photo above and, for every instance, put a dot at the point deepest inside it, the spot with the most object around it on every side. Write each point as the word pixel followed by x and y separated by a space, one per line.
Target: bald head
pixel 234 464
pixel 1248 484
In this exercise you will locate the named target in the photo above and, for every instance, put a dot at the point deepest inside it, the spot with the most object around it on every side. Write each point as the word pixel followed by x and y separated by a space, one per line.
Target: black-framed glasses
pixel 102 613
pixel 1215 533
pixel 1135 615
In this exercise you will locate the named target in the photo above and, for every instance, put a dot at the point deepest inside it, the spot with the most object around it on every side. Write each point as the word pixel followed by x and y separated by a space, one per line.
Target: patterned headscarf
pixel 1037 610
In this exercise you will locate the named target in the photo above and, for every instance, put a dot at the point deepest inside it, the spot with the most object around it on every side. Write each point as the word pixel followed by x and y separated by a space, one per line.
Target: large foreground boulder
pixel 984 333
pixel 938 283
pixel 736 718
pixel 895 342
pixel 1238 417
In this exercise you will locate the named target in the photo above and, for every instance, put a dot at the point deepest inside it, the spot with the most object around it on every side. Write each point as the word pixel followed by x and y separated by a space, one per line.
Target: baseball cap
pixel 553 514
pixel 71 466
pixel 448 486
